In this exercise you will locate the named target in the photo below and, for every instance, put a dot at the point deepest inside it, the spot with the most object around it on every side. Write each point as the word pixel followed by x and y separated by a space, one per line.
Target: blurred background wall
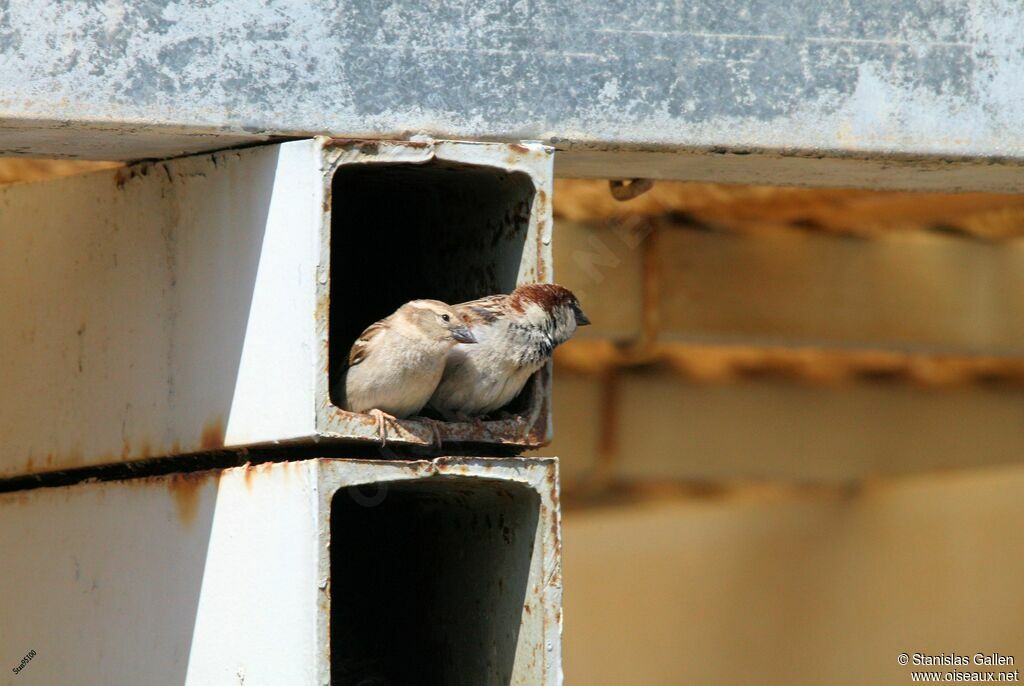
pixel 790 440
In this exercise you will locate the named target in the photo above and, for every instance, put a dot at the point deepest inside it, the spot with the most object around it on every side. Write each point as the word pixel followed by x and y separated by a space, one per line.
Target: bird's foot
pixel 382 429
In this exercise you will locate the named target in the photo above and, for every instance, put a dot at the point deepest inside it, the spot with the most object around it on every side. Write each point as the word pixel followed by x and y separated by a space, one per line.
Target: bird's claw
pixel 436 428
pixel 382 429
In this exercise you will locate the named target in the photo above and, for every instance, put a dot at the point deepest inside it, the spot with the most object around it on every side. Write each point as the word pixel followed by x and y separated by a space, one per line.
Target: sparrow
pixel 515 335
pixel 395 365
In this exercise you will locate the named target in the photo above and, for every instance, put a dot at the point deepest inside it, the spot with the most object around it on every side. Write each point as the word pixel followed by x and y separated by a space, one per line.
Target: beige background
pixel 790 441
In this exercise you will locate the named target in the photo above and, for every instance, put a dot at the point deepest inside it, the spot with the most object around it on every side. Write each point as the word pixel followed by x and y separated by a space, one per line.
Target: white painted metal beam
pixel 237 576
pixel 187 305
pixel 899 94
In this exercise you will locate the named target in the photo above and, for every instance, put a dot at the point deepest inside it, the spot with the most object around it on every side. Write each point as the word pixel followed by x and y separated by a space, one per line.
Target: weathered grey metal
pixel 196 304
pixel 933 81
pixel 240 576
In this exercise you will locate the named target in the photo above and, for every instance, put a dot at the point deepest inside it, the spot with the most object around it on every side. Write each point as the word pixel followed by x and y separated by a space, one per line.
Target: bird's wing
pixel 361 348
pixel 483 310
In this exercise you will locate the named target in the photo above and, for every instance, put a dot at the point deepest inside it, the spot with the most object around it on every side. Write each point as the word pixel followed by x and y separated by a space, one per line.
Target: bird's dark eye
pixel 446 318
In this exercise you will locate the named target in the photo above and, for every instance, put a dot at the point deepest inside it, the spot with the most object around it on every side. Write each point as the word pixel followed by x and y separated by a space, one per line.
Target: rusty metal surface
pixel 233 569
pixel 184 306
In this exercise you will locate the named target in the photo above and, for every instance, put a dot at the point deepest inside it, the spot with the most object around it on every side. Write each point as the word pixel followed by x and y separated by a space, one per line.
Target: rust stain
pixel 288 468
pixel 125 174
pixel 212 437
pixel 247 475
pixel 16 498
pixel 323 305
pixel 543 268
pixel 553 485
pixel 371 145
pixel 363 145
pixel 186 491
pixel 522 149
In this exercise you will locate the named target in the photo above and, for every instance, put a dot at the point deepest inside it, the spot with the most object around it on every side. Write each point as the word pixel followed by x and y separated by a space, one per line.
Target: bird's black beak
pixel 581 319
pixel 463 335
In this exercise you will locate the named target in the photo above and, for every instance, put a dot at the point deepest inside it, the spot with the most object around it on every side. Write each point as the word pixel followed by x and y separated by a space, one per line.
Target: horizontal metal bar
pixel 922 290
pixel 655 426
pixel 242 574
pixel 875 79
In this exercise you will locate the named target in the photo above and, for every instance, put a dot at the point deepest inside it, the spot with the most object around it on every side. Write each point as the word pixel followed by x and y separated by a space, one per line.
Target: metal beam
pixel 198 304
pixel 282 573
pixel 912 84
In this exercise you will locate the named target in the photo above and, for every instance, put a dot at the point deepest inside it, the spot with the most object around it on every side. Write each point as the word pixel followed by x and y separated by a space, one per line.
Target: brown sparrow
pixel 396 363
pixel 516 334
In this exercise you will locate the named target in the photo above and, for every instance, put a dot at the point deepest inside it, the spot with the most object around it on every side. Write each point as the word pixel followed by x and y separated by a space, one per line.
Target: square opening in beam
pixel 429 580
pixel 437 229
